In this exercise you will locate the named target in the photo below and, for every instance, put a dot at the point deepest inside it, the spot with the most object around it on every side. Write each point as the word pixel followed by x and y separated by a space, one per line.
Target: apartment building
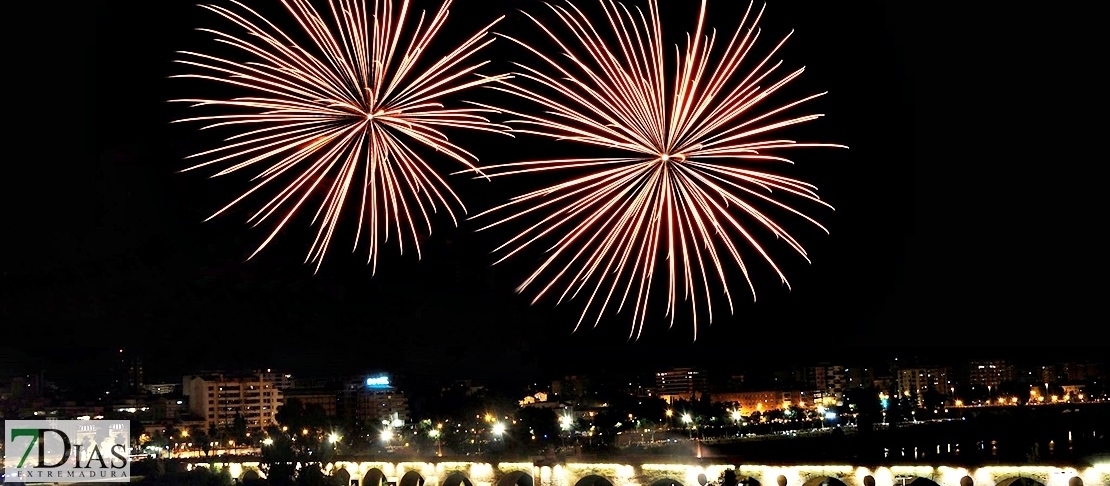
pixel 219 398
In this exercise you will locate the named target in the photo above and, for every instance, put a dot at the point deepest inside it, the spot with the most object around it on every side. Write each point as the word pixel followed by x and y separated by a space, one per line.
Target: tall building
pixel 128 374
pixel 326 398
pixel 830 379
pixel 219 398
pixel 282 381
pixel 1079 371
pixel 990 373
pixel 859 377
pixel 374 400
pixel 680 383
pixel 916 381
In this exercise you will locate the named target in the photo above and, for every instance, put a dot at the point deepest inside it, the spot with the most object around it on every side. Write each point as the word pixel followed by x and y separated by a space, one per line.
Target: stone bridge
pixel 540 473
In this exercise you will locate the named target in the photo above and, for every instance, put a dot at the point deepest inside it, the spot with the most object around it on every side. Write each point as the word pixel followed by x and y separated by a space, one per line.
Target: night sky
pixel 941 237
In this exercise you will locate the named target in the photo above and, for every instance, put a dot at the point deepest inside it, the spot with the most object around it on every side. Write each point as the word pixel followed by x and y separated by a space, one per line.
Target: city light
pixel 498 429
pixel 686 418
pixel 267 441
pixel 736 415
pixel 434 433
pixel 333 437
pixel 387 435
pixel 566 422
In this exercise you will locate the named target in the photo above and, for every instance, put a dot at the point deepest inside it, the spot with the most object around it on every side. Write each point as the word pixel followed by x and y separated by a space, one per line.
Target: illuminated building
pixel 767 400
pixel 161 388
pixel 282 381
pixel 915 381
pixel 218 398
pixel 990 373
pixel 680 383
pixel 374 400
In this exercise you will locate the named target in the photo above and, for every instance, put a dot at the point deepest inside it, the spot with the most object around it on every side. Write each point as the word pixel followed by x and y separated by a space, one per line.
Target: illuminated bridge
pixel 547 473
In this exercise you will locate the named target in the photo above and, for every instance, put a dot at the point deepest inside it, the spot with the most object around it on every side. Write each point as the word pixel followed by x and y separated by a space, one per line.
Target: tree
pixel 238 429
pixel 541 423
pixel 201 438
pixel 932 400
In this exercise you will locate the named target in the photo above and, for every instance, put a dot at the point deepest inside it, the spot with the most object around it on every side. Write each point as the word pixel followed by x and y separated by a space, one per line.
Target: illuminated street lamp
pixel 687 419
pixel 333 438
pixel 387 435
pixel 498 429
pixel 566 422
pixel 435 434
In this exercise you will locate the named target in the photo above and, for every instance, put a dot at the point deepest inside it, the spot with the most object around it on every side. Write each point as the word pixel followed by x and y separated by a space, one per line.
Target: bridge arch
pixel 457 479
pixel 593 480
pixel 342 476
pixel 375 477
pixel 516 478
pixel 666 482
pixel 1020 481
pixel 411 478
pixel 824 481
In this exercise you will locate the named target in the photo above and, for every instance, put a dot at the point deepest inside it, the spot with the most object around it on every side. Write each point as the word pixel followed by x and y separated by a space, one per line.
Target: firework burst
pixel 337 116
pixel 678 200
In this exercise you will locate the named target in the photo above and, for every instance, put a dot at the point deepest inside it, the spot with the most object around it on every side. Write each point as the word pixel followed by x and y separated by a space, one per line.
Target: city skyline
pixel 143 366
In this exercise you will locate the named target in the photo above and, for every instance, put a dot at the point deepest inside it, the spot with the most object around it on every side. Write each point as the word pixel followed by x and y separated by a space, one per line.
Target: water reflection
pixel 1033 448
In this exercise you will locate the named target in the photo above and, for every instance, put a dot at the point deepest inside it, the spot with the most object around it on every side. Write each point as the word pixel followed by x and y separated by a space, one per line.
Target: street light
pixel 498 429
pixel 566 422
pixel 387 435
pixel 268 441
pixel 435 433
pixel 333 437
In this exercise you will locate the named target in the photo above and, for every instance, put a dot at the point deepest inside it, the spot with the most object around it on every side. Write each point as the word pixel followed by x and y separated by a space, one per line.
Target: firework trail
pixel 336 117
pixel 683 161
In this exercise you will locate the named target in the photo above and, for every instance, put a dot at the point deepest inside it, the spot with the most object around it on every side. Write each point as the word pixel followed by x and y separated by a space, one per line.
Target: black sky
pixel 941 236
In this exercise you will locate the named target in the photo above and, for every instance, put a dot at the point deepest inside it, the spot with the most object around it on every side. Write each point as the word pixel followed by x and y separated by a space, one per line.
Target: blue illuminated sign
pixel 377 382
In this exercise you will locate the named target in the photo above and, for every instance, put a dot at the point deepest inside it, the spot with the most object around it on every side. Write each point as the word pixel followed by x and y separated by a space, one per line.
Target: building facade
pixel 916 381
pixel 990 373
pixel 219 398
pixel 680 383
pixel 283 381
pixel 326 399
pixel 767 400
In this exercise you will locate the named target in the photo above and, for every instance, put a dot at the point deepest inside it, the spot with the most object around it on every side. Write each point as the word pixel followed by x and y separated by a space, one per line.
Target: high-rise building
pixel 680 383
pixel 916 381
pixel 127 374
pixel 219 398
pixel 990 373
pixel 282 381
pixel 326 398
pixel 374 400
pixel 1079 371
pixel 859 377
pixel 829 379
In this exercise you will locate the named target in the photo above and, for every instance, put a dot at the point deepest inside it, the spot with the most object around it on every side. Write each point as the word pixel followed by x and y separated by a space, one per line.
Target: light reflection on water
pixel 988 448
